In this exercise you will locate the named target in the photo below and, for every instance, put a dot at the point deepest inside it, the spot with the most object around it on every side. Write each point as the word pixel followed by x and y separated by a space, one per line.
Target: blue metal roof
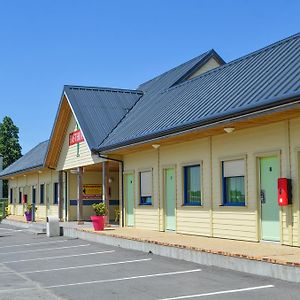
pixel 265 77
pixel 177 74
pixel 99 110
pixel 34 159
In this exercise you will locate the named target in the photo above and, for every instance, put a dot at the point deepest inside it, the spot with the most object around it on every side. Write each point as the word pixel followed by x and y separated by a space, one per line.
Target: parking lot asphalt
pixel 37 267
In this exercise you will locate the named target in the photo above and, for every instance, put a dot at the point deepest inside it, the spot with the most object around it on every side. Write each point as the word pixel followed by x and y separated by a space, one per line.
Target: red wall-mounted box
pixel 284 191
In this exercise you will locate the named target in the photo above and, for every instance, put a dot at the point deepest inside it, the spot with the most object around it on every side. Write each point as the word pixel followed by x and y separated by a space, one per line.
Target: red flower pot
pixel 98 222
pixel 28 216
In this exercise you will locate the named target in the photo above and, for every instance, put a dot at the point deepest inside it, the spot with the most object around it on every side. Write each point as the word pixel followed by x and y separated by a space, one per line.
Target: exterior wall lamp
pixel 229 129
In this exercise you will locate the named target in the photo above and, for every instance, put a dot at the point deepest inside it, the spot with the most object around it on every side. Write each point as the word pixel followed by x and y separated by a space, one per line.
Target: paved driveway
pixel 37 267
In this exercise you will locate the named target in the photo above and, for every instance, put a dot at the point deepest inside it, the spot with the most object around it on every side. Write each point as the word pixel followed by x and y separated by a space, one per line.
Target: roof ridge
pixel 176 67
pixel 251 54
pixel 111 89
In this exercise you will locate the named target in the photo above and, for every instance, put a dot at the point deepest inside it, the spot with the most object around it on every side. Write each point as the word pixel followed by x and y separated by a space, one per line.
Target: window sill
pixel 233 205
pixel 145 205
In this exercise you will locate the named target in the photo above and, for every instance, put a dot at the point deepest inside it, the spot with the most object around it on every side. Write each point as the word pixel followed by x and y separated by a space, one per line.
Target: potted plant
pixel 99 219
pixel 28 212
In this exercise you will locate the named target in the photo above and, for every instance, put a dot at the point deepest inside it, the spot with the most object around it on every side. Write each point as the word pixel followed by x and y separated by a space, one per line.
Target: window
pixel 33 195
pixel 192 185
pixel 55 193
pixel 233 182
pixel 11 195
pixel 146 188
pixel 42 194
pixel 20 196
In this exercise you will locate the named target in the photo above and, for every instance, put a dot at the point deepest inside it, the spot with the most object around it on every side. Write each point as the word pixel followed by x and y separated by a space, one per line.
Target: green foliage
pixel 3 209
pixel 10 148
pixel 29 207
pixel 100 209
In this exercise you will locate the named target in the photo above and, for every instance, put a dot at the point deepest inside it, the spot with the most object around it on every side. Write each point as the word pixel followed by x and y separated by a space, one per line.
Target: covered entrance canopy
pixel 85 117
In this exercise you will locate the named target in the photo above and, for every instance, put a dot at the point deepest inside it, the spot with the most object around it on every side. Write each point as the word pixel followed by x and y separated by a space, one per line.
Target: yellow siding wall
pixel 146 217
pixel 294 130
pixel 25 184
pixel 194 220
pixel 241 222
pixel 212 219
pixel 68 157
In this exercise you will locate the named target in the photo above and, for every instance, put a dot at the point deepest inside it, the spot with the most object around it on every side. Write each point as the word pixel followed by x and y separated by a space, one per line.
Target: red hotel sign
pixel 75 137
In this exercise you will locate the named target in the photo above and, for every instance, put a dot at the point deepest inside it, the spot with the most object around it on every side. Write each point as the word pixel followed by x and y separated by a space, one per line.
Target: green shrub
pixel 100 209
pixel 29 207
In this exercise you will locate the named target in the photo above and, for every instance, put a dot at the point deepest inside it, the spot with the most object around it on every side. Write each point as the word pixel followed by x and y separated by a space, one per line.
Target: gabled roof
pixel 178 74
pixel 264 78
pixel 34 159
pixel 99 110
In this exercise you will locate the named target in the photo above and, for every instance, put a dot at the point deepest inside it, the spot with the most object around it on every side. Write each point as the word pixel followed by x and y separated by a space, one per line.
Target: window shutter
pixel 146 184
pixel 234 168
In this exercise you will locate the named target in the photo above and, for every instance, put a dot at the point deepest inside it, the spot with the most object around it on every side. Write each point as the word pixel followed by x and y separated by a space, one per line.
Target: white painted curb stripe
pixel 57 257
pixel 90 266
pixel 221 292
pixel 33 244
pixel 124 278
pixel 45 249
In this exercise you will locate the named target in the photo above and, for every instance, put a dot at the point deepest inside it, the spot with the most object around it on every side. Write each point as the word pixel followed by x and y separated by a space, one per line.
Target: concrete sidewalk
pixel 267 259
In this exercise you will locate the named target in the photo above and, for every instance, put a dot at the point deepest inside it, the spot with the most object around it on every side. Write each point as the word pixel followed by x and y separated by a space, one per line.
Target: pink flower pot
pixel 98 222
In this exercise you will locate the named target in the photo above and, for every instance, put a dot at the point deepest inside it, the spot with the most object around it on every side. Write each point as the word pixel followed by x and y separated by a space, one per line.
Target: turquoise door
pixel 170 199
pixel 129 194
pixel 269 173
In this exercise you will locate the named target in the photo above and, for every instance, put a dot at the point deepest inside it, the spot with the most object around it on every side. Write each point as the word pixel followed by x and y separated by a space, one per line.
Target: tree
pixel 10 148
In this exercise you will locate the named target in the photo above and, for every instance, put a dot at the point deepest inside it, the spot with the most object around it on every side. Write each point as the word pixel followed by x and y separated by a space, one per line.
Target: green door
pixel 269 173
pixel 170 199
pixel 129 198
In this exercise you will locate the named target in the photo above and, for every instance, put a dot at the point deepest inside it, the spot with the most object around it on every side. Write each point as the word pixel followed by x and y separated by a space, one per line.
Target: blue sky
pixel 46 44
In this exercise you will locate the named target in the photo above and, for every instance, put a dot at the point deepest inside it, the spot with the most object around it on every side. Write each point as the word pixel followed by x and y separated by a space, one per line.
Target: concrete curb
pixel 287 273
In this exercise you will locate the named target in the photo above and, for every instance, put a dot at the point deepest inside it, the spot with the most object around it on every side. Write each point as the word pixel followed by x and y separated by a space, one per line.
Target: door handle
pixel 262 196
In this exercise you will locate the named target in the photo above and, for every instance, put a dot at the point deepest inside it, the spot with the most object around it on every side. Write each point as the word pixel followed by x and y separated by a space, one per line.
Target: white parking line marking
pixel 57 257
pixel 221 292
pixel 33 244
pixel 45 249
pixel 17 290
pixel 90 266
pixel 123 279
pixel 14 230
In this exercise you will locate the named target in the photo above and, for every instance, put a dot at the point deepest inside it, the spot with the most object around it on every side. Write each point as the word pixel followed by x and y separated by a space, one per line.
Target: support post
pixel 105 186
pixel 79 196
pixel 60 195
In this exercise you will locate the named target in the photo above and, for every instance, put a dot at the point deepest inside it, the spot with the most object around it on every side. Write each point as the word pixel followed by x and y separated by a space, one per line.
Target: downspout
pixel 122 181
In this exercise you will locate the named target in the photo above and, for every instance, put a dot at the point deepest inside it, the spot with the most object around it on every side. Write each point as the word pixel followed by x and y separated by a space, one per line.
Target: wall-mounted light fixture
pixel 110 180
pixel 229 129
pixel 155 146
